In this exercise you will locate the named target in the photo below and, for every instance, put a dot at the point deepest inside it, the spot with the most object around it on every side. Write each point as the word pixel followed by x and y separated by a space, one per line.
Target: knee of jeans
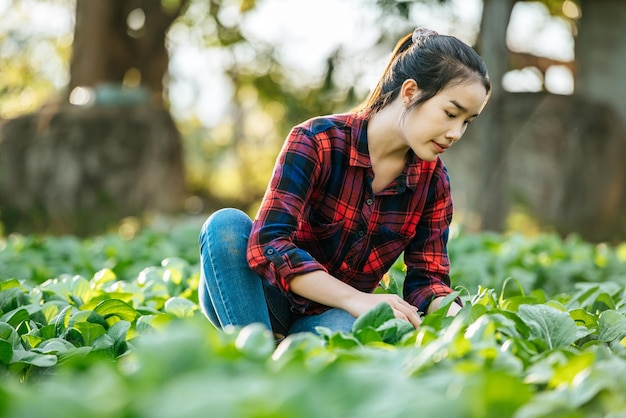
pixel 228 223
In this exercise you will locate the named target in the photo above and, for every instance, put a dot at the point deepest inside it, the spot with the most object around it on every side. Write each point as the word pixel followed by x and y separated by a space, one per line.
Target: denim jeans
pixel 230 293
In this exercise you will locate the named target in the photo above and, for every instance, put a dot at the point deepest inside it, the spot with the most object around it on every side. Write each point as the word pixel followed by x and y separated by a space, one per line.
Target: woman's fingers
pixel 413 317
pixel 404 310
pixel 401 308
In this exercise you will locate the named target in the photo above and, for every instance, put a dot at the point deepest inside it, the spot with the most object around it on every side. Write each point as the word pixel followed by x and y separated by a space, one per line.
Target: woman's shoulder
pixel 343 133
pixel 334 122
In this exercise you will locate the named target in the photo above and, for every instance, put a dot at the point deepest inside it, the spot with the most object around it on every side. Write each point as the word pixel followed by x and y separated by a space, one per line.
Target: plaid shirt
pixel 320 213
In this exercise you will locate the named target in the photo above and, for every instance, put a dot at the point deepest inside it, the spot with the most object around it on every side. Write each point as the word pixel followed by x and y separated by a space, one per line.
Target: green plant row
pixel 542 262
pixel 111 344
pixel 497 358
pixel 519 264
pixel 37 258
pixel 70 316
pixel 545 262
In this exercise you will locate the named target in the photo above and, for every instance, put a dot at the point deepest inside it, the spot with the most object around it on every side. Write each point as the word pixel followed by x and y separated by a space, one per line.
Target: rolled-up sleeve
pixel 426 257
pixel 271 249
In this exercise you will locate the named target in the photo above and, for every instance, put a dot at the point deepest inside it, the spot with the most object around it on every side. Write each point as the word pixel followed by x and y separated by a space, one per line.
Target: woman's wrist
pixel 434 305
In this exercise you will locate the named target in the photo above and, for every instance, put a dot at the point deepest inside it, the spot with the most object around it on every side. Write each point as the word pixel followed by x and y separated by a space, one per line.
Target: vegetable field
pixel 110 327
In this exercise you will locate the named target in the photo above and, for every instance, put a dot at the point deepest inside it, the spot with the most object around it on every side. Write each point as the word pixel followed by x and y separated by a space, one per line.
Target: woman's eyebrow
pixel 461 107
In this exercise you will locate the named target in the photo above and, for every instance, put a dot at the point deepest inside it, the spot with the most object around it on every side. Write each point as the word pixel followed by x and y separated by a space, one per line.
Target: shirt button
pixel 269 251
pixel 361 233
pixel 369 201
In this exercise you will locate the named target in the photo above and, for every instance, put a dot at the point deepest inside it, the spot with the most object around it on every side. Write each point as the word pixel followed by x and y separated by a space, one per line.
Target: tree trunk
pixel 80 169
pixel 106 51
pixel 556 158
pixel 563 165
pixel 601 53
pixel 489 205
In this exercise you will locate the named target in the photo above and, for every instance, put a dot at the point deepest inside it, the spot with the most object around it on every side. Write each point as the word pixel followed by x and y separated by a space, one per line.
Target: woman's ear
pixel 409 91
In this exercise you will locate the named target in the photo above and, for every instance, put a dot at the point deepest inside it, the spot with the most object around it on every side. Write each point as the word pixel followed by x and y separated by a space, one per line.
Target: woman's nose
pixel 455 132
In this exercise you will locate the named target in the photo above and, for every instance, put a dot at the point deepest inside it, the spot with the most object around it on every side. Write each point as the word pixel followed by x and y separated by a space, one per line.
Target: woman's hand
pixel 327 290
pixel 362 302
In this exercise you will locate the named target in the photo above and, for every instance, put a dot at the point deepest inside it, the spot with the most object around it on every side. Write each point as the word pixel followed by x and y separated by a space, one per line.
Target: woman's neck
pixel 384 138
pixel 387 147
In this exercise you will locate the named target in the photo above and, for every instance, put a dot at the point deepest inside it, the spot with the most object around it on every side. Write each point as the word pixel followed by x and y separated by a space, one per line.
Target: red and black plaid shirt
pixel 320 213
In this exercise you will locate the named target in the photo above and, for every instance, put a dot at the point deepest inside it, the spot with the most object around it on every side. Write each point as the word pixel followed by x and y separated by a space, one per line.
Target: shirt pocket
pixel 322 240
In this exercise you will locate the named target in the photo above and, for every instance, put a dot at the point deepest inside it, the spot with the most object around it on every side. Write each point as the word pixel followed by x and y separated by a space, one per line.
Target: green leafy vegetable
pixel 108 327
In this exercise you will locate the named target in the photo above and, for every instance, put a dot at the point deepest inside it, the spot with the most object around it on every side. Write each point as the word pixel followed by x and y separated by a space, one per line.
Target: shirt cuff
pixel 422 297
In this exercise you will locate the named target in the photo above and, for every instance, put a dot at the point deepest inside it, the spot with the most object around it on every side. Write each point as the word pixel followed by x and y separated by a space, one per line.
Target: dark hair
pixel 434 61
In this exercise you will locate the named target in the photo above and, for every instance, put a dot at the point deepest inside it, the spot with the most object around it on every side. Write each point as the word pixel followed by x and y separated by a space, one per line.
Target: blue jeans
pixel 230 293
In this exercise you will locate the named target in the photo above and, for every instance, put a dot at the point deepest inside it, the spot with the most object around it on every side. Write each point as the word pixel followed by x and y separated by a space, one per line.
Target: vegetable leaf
pixel 557 328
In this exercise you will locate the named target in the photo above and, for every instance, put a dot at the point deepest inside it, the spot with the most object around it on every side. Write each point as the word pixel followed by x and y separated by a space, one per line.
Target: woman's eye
pixel 450 115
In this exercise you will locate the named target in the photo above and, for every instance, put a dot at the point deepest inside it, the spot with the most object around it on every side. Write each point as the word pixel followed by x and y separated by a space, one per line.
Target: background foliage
pixel 228 160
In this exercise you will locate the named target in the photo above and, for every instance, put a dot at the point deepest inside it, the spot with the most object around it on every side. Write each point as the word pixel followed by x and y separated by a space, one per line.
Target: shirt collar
pixel 359 153
pixel 414 169
pixel 360 157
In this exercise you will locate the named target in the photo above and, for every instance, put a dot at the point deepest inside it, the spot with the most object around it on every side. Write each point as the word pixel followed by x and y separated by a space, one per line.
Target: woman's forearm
pixel 323 288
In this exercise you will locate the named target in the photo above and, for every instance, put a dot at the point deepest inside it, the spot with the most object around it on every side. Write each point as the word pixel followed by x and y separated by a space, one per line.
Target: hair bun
pixel 421 34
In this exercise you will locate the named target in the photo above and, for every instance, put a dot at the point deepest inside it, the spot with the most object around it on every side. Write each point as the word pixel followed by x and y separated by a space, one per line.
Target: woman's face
pixel 432 127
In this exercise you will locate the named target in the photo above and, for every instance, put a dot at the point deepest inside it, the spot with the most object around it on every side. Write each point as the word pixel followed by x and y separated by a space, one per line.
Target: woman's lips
pixel 440 148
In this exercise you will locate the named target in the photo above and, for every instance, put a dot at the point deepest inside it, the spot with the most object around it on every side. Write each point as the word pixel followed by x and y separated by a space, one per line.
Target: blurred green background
pixel 118 114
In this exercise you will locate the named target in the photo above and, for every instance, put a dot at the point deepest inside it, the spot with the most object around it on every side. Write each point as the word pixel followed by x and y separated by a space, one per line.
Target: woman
pixel 349 194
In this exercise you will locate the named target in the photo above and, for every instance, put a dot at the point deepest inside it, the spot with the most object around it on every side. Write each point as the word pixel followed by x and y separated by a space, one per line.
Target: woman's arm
pixel 452 310
pixel 323 288
pixel 426 257
pixel 271 250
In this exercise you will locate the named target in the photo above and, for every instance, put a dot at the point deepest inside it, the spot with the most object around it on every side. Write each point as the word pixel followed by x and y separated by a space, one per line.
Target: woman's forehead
pixel 467 97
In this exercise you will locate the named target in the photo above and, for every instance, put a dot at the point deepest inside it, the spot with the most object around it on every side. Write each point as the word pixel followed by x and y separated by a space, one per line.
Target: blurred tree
pixel 28 67
pixel 119 79
pixel 230 164
pixel 493 48
pixel 122 44
pixel 601 52
pixel 109 149
pixel 492 205
pixel 556 158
